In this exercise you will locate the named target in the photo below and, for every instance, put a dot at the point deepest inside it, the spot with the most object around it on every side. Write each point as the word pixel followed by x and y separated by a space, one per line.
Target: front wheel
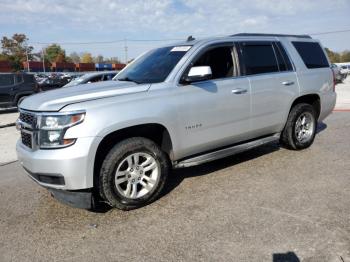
pixel 300 129
pixel 133 173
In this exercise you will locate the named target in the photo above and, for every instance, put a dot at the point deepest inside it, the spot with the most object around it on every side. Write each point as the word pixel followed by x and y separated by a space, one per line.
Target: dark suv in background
pixel 14 87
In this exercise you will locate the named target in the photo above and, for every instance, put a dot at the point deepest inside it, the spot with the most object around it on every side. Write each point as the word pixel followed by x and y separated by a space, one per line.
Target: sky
pixel 84 21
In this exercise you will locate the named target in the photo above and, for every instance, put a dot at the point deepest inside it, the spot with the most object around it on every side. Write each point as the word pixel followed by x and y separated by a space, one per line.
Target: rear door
pixel 273 84
pixel 7 85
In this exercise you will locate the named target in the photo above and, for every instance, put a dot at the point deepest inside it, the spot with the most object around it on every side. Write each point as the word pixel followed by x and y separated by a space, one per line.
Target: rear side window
pixel 19 78
pixel 312 54
pixel 6 80
pixel 284 63
pixel 258 58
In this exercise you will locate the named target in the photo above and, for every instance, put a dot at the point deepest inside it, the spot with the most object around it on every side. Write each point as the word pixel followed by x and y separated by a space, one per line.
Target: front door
pixel 216 112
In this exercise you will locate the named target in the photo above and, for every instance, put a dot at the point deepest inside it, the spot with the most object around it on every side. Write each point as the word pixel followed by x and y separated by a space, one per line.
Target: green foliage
pixel 345 56
pixel 3 57
pixel 86 58
pixel 336 57
pixel 16 50
pixel 55 53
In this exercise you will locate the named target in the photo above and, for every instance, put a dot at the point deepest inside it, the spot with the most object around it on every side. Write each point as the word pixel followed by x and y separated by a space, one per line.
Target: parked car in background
pixel 14 87
pixel 339 76
pixel 345 69
pixel 92 78
pixel 52 82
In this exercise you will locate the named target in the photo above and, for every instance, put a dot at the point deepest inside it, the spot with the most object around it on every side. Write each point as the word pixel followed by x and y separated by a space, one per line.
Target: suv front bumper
pixel 68 168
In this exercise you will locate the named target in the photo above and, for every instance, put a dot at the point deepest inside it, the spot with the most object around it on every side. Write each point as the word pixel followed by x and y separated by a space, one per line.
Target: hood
pixel 54 100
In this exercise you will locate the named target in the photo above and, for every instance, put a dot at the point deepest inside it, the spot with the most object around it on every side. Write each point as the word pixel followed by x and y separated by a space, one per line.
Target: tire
pixel 292 135
pixel 134 160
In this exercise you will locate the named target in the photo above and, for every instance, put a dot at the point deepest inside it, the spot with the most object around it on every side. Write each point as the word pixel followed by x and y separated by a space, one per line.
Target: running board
pixel 226 152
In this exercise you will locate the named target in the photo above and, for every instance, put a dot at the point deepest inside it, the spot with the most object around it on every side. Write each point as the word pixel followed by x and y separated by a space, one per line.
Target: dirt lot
pixel 262 205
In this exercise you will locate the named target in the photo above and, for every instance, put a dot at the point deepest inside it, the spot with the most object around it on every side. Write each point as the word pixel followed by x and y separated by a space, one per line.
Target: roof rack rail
pixel 261 34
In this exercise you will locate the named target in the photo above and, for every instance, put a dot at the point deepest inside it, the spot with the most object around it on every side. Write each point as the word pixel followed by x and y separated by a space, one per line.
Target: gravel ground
pixel 7 117
pixel 343 95
pixel 8 139
pixel 267 204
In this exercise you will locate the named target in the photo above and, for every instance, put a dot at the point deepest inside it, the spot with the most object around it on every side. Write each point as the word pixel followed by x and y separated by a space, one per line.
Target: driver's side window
pixel 220 60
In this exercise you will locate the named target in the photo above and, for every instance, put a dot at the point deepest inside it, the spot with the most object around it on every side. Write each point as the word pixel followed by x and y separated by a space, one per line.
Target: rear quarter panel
pixel 314 81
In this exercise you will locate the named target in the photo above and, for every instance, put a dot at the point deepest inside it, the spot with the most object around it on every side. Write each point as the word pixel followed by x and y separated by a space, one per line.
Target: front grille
pixel 26 139
pixel 27 118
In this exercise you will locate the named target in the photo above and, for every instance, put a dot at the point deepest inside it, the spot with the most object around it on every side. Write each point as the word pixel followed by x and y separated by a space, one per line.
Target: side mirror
pixel 198 73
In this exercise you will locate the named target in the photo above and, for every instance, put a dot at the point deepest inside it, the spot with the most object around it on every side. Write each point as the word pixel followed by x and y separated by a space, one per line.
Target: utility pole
pixel 26 46
pixel 42 52
pixel 126 51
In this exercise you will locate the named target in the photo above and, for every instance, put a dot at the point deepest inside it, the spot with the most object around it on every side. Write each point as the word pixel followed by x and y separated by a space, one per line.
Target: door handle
pixel 239 91
pixel 288 83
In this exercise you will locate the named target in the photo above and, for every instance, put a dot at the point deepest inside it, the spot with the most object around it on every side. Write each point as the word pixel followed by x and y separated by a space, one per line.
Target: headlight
pixel 52 129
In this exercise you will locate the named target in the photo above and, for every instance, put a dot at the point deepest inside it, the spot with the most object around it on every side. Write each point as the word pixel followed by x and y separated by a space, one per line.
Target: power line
pixel 155 40
pixel 108 42
pixel 331 32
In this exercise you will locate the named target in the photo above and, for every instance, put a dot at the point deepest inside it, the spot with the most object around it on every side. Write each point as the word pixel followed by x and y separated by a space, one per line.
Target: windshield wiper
pixel 128 79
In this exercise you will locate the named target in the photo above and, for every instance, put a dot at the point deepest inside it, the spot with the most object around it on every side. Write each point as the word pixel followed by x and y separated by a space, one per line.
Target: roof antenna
pixel 190 38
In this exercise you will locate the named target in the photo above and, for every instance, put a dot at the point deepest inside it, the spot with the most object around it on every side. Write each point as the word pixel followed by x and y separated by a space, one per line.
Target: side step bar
pixel 197 160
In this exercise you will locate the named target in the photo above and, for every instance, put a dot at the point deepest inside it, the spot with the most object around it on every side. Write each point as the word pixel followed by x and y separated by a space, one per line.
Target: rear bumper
pixel 327 105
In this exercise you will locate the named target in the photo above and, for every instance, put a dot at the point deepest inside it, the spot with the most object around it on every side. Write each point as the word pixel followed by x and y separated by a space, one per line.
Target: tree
pixel 55 53
pixel 113 60
pixel 345 56
pixel 86 58
pixel 99 59
pixel 15 50
pixel 3 57
pixel 74 57
pixel 333 56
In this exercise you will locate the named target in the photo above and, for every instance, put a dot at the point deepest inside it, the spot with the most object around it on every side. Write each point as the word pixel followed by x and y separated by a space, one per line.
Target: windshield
pixel 154 66
pixel 75 81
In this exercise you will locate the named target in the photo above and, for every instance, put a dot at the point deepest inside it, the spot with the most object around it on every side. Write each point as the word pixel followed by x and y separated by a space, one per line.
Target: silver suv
pixel 175 106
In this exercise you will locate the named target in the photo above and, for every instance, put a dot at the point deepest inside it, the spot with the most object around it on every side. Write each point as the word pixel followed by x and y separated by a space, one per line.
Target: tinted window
pixel 220 61
pixel 284 63
pixel 312 54
pixel 258 58
pixel 28 78
pixel 154 66
pixel 108 77
pixel 19 78
pixel 95 79
pixel 6 80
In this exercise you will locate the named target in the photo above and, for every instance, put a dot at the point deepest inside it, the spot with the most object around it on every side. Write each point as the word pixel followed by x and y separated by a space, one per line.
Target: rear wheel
pixel 300 129
pixel 133 173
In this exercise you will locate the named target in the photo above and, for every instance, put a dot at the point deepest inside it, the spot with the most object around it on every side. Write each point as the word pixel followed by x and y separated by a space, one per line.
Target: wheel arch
pixel 312 99
pixel 156 132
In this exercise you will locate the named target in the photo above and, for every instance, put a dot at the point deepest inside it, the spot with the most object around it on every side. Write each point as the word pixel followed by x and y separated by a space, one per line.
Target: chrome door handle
pixel 239 91
pixel 288 83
